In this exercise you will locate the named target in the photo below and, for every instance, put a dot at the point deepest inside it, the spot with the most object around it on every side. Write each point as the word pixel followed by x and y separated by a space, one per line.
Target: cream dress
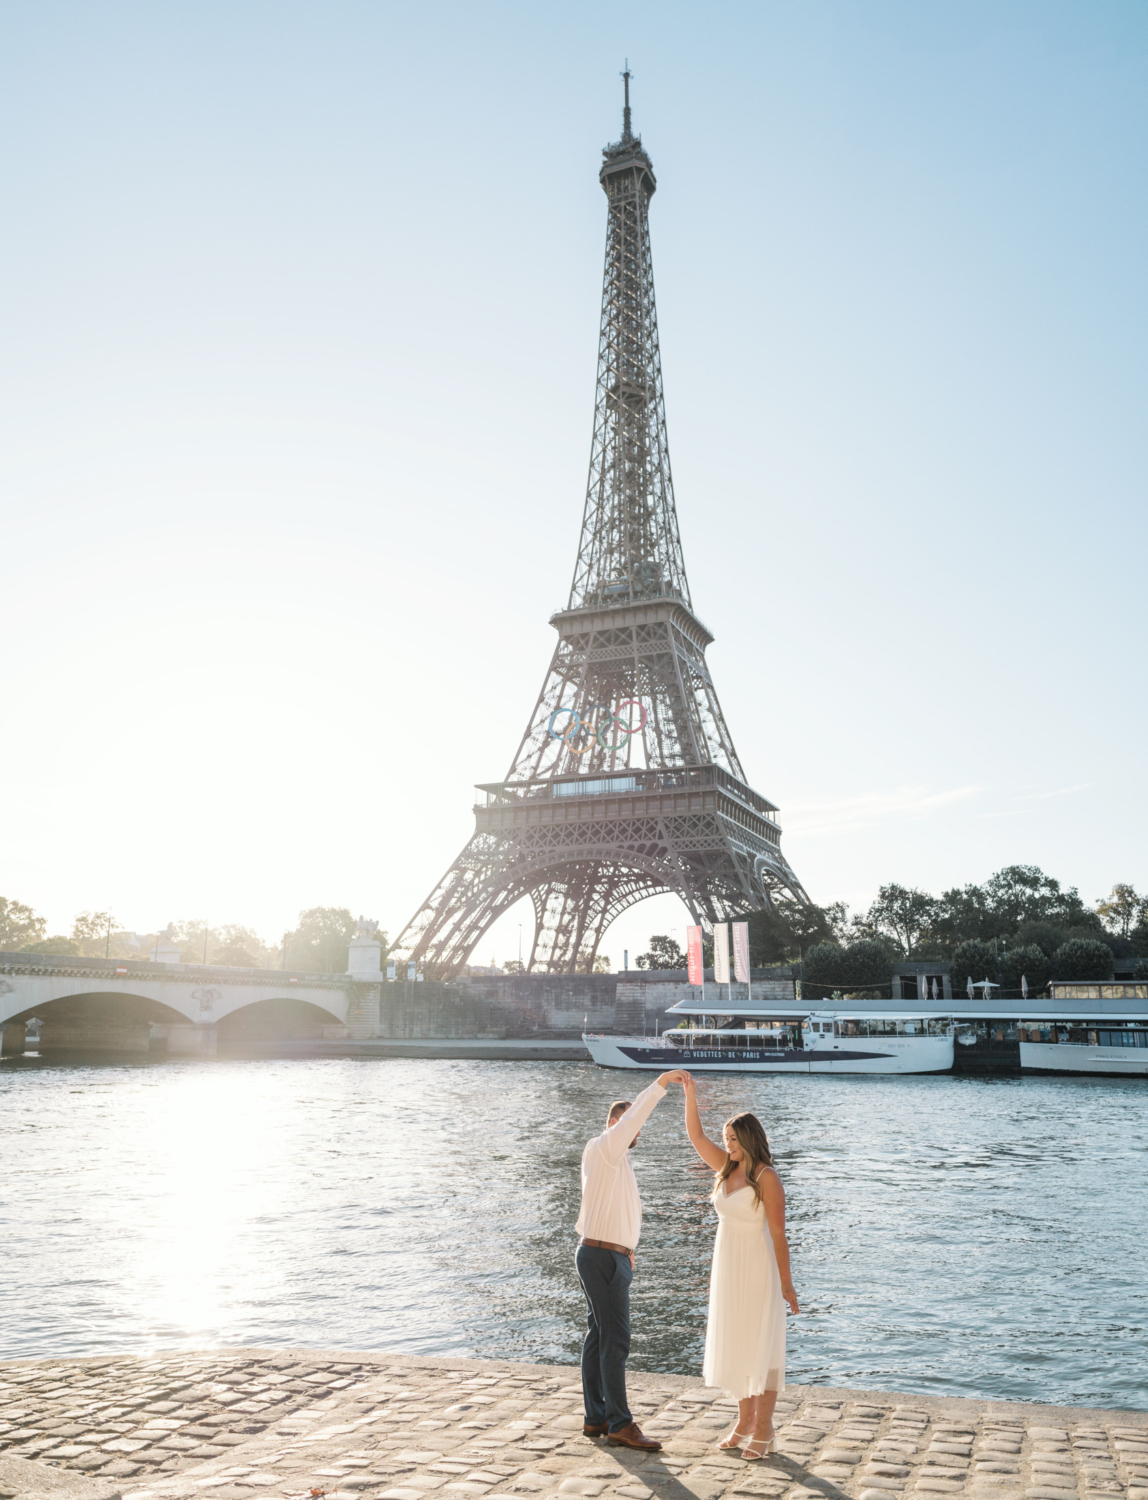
pixel 745 1333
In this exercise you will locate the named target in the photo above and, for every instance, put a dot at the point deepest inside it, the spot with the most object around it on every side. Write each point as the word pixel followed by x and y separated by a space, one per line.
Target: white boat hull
pixel 1069 1057
pixel 927 1054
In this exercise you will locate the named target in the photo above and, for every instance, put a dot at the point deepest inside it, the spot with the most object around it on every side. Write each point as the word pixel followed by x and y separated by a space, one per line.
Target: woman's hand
pixel 688 1082
pixel 790 1295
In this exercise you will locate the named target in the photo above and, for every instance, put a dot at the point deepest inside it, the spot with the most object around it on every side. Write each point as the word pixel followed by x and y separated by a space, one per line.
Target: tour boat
pixel 823 1041
pixel 1111 1045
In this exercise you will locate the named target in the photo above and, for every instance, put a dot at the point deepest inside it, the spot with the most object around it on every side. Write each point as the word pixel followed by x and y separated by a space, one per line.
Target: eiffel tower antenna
pixel 626 782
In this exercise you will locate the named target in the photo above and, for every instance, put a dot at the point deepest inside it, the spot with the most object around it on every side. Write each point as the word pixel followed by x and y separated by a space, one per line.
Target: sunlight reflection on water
pixel 972 1236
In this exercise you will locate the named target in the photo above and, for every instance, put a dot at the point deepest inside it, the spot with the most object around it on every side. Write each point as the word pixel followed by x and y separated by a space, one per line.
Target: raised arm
pixel 773 1201
pixel 712 1154
pixel 618 1138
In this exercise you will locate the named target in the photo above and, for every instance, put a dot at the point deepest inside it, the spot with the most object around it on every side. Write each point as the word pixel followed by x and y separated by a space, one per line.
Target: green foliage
pixel 600 965
pixel 1123 910
pixel 664 953
pixel 62 946
pixel 864 965
pixel 231 946
pixel 975 960
pixel 19 925
pixel 789 929
pixel 1083 958
pixel 91 930
pixel 1028 960
pixel 1014 898
pixel 1141 969
pixel 906 916
pixel 320 942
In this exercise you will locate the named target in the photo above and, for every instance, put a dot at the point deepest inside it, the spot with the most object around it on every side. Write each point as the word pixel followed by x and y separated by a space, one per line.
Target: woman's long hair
pixel 754 1143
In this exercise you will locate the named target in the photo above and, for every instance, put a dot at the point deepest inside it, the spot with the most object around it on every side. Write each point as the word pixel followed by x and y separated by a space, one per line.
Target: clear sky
pixel 300 308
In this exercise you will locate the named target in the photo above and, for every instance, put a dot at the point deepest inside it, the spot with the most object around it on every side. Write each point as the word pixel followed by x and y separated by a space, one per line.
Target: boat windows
pixel 887 1026
pixel 1125 1037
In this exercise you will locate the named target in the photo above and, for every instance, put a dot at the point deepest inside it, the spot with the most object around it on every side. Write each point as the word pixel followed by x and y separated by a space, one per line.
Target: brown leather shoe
pixel 594 1429
pixel 633 1437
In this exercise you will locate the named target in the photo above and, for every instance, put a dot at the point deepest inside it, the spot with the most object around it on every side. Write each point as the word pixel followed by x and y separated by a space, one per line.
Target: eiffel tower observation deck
pixel 626 782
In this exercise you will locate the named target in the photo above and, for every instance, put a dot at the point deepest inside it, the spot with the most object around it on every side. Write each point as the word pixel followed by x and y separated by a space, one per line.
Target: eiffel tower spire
pixel 626 782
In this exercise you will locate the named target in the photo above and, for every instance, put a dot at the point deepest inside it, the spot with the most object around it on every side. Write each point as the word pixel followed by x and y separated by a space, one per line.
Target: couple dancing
pixel 749 1282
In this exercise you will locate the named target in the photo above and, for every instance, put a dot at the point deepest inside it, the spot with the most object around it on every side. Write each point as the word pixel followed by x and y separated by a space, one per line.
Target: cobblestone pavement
pixel 232 1425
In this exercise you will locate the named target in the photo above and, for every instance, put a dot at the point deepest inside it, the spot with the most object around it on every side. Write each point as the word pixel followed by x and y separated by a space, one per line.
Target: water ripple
pixel 975 1237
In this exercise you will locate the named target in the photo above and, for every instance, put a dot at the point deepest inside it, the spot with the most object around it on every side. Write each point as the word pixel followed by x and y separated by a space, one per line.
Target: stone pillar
pixel 13 1038
pixel 192 1041
pixel 364 959
pixel 364 966
pixel 363 1011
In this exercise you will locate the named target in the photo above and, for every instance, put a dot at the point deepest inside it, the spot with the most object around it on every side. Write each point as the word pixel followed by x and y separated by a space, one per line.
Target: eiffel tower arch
pixel 626 782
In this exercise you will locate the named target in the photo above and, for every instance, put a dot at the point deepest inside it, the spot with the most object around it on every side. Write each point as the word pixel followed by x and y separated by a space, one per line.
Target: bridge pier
pixel 192 1041
pixel 363 1012
pixel 13 1039
pixel 97 1035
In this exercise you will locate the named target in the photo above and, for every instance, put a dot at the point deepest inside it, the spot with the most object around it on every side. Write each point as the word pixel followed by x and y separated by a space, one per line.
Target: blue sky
pixel 300 314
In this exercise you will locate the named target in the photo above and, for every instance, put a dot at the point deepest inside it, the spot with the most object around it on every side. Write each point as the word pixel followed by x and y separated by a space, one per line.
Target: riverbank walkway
pixel 237 1424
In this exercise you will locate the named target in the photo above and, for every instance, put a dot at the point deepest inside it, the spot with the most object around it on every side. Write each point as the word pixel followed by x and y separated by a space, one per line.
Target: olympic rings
pixel 623 728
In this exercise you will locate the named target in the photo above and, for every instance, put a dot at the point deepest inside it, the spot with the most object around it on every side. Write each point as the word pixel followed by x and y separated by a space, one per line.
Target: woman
pixel 745 1332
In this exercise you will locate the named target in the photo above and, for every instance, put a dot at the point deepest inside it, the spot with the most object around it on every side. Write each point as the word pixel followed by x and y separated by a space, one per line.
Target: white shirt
pixel 611 1207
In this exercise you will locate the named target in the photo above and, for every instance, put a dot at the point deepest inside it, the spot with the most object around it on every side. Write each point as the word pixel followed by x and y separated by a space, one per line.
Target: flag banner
pixel 741 952
pixel 694 955
pixel 721 952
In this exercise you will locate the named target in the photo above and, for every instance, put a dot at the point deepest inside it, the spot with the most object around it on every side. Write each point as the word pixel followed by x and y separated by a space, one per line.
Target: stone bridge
pixel 105 1005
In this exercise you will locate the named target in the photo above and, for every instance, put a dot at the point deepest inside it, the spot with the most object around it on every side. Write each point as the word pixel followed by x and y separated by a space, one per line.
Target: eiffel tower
pixel 626 783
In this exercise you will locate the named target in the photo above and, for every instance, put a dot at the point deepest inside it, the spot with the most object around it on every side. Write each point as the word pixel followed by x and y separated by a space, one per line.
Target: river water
pixel 972 1236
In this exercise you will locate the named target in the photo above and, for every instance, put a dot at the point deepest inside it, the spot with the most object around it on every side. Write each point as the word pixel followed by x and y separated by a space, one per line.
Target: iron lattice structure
pixel 591 818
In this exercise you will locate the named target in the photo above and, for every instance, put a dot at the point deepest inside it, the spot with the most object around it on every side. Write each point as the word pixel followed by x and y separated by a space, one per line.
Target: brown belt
pixel 606 1245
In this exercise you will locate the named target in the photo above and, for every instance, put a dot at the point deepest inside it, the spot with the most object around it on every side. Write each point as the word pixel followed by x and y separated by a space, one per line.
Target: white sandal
pixel 766 1445
pixel 734 1440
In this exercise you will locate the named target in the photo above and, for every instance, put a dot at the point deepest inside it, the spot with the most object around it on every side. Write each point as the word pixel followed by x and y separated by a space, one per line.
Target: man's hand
pixel 677 1076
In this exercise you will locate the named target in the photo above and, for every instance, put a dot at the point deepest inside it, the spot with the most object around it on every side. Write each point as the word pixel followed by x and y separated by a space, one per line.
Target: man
pixel 610 1224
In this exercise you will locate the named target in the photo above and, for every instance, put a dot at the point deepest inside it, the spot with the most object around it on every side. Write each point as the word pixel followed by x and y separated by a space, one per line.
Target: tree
pixel 601 965
pixel 320 942
pixel 906 915
pixel 514 966
pixel 782 933
pixel 975 960
pixel 864 965
pixel 1083 958
pixel 19 925
pixel 1024 893
pixel 1123 910
pixel 62 946
pixel 1027 961
pixel 961 916
pixel 91 929
pixel 664 953
pixel 230 946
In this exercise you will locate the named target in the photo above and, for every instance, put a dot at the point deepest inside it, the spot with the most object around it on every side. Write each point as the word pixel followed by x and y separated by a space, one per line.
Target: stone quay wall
pixel 553 1006
pixel 238 1424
